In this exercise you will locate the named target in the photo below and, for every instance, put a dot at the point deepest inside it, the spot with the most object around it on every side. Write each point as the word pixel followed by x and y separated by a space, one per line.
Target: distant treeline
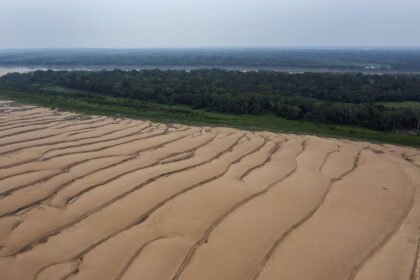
pixel 326 98
pixel 381 60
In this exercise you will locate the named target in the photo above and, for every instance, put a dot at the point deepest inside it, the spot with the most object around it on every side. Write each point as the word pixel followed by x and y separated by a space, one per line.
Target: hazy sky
pixel 208 23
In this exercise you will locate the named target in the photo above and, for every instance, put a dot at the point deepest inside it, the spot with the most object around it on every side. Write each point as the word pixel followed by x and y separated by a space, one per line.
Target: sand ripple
pixel 112 198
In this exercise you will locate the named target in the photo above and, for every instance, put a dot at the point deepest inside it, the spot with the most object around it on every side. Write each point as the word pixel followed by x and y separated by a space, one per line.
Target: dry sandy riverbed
pixel 105 198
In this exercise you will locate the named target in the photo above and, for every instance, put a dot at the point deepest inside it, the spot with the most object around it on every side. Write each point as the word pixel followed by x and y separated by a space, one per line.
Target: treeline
pixel 334 59
pixel 327 98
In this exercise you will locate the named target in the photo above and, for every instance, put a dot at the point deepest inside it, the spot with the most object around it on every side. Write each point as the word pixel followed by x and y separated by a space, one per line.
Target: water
pixel 5 70
pixel 292 70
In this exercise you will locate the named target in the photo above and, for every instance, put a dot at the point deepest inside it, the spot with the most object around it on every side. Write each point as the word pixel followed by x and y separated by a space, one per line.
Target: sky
pixel 204 23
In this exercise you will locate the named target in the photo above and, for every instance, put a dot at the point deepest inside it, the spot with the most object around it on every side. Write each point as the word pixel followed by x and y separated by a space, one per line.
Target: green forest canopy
pixel 342 99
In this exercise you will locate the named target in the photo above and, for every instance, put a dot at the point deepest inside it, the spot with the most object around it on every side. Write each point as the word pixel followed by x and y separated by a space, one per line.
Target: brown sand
pixel 110 198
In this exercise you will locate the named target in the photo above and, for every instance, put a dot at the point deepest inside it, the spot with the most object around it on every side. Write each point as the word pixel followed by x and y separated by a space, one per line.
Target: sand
pixel 93 197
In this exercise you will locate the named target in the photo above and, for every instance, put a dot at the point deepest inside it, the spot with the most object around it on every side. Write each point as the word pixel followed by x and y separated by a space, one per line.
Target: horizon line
pixel 331 47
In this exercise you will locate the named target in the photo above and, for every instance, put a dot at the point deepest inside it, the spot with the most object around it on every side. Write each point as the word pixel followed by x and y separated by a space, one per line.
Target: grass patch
pixel 405 104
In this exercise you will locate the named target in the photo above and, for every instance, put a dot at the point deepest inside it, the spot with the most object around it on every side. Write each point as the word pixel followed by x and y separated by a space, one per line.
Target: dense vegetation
pixel 338 99
pixel 376 60
pixel 77 101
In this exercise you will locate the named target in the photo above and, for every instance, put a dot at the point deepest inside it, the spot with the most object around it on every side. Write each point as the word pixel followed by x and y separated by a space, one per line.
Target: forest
pixel 325 60
pixel 337 99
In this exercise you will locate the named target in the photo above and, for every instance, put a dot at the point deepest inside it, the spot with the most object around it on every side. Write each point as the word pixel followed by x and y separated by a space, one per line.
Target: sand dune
pixel 112 198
